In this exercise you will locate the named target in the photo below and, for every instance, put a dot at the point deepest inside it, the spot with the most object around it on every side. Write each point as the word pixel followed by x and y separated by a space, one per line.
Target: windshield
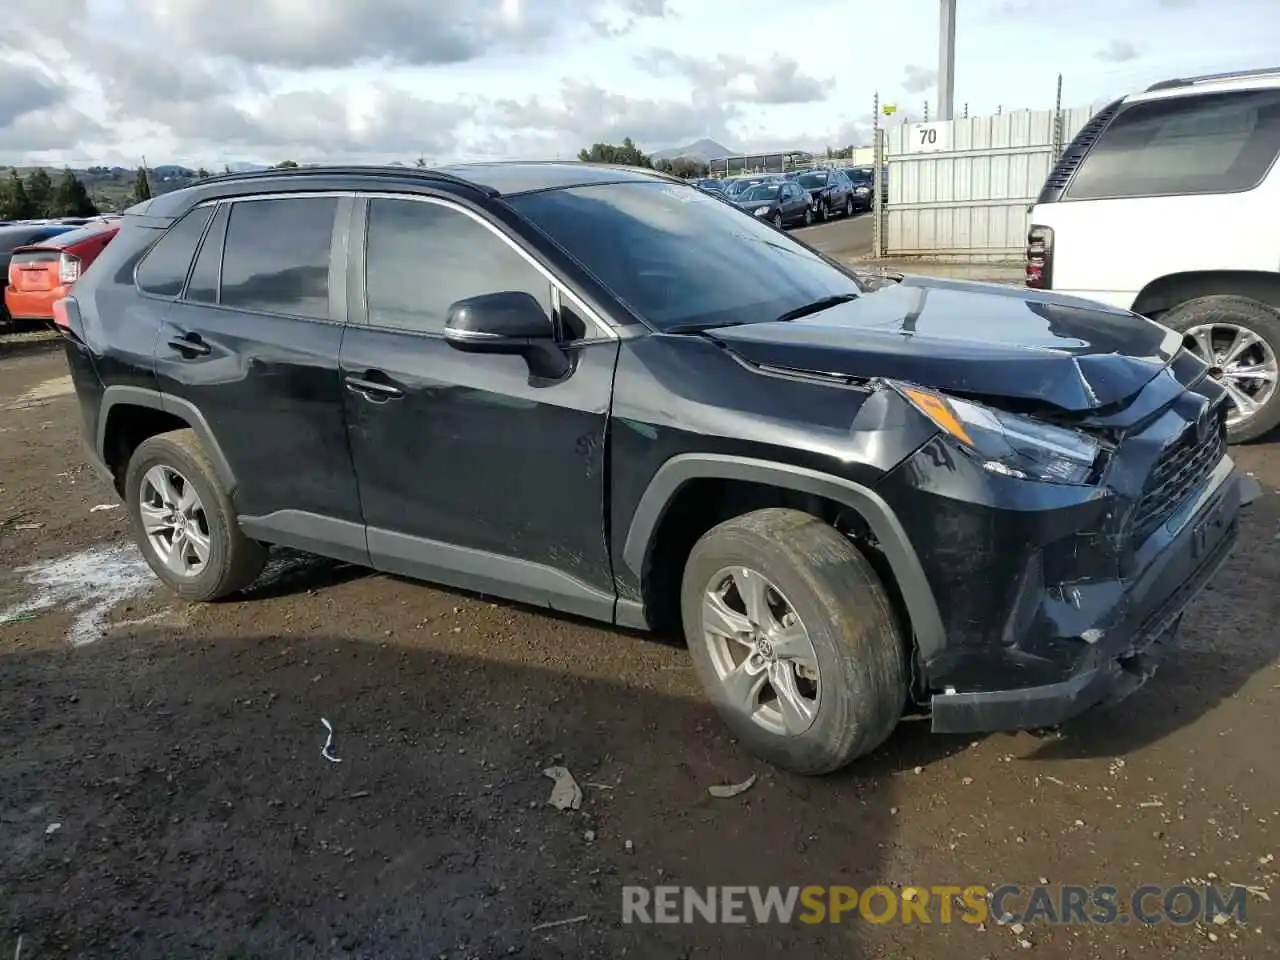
pixel 676 256
pixel 817 178
pixel 765 191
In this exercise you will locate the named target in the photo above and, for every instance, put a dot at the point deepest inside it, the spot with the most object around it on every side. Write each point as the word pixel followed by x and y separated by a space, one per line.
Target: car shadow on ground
pixel 292 572
pixel 165 795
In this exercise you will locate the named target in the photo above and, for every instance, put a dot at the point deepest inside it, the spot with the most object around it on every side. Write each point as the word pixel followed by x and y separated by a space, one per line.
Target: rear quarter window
pixel 1198 144
pixel 163 271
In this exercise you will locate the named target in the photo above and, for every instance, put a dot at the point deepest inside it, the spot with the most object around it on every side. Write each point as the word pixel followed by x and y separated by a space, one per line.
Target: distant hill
pixel 704 150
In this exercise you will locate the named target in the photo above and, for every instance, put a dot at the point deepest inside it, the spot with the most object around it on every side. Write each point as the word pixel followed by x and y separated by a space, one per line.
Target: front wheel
pixel 1239 338
pixel 777 221
pixel 793 636
pixel 184 521
pixel 848 207
pixel 808 216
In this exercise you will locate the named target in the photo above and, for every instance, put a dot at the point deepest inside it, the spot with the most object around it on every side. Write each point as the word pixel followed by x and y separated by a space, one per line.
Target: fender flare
pixel 926 621
pixel 120 395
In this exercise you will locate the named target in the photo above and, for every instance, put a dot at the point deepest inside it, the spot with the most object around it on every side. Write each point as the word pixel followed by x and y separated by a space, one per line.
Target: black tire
pixel 777 220
pixel 234 560
pixel 848 207
pixel 1252 315
pixel 861 653
pixel 808 216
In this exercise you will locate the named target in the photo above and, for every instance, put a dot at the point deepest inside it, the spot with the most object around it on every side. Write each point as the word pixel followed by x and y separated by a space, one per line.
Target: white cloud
pixel 207 82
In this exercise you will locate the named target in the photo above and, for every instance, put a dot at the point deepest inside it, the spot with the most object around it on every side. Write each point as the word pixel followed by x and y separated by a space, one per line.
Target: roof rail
pixel 1209 77
pixel 387 171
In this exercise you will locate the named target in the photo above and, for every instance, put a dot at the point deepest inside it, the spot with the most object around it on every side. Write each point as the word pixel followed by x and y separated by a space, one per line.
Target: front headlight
pixel 761 211
pixel 1006 443
pixel 863 190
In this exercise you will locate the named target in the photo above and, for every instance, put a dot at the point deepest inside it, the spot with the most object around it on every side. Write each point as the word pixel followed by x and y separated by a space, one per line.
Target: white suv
pixel 1167 203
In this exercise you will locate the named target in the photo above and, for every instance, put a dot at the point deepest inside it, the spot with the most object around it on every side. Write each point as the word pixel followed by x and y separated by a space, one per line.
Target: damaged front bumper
pixel 1131 629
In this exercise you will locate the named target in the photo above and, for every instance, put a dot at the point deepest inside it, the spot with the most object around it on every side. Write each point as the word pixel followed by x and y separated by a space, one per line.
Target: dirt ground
pixel 163 793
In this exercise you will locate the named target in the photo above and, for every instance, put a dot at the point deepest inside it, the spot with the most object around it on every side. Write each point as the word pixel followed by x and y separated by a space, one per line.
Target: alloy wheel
pixel 761 651
pixel 1241 361
pixel 174 521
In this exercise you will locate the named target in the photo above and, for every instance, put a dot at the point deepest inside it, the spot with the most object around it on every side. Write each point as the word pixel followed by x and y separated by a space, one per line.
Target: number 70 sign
pixel 925 137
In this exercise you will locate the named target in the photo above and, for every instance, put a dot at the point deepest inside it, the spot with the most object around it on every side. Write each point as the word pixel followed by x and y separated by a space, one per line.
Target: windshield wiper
pixel 816 307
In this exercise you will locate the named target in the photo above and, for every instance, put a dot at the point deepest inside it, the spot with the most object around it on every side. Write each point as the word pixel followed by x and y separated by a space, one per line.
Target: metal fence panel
pixel 967 199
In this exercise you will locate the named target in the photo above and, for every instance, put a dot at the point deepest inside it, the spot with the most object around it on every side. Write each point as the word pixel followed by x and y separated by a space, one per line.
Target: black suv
pixel 855 500
pixel 830 190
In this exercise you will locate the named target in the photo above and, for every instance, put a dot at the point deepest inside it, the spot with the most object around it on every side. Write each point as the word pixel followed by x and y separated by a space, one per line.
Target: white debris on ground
pixel 724 791
pixel 42 393
pixel 90 584
pixel 566 794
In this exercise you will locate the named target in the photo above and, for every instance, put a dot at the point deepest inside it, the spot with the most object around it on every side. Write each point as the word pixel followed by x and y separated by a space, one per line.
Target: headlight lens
pixel 864 190
pixel 1006 443
pixel 761 211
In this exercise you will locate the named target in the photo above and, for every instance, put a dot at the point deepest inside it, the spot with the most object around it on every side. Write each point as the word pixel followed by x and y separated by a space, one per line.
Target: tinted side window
pixel 276 256
pixel 163 270
pixel 1206 143
pixel 422 257
pixel 203 285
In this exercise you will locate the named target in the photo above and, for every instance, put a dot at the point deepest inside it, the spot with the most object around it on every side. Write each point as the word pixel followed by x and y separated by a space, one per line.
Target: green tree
pixel 40 190
pixel 420 162
pixel 627 154
pixel 688 167
pixel 15 203
pixel 286 164
pixel 71 199
pixel 203 174
pixel 141 186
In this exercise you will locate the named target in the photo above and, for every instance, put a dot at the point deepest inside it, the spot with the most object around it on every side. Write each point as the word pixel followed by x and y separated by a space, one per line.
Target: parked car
pixel 1168 203
pixel 736 186
pixel 712 185
pixel 862 181
pixel 782 203
pixel 988 503
pixel 16 235
pixel 831 191
pixel 43 272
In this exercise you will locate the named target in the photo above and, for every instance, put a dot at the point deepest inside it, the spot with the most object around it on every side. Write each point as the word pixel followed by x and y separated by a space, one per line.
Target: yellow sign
pixel 890 109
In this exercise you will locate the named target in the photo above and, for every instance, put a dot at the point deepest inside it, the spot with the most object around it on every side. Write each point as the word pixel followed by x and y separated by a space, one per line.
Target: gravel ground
pixel 163 793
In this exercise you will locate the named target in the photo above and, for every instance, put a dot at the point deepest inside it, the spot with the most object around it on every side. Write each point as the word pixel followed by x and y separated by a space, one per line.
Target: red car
pixel 40 273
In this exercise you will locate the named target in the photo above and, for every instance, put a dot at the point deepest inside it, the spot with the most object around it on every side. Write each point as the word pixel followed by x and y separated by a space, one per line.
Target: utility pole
pixel 946 59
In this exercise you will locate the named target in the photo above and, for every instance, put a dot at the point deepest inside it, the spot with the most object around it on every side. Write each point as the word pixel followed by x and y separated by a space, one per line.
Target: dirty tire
pixel 846 611
pixel 1242 312
pixel 234 560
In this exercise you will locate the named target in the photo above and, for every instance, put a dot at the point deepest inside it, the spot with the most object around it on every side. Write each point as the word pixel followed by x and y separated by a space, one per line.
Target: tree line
pixel 628 154
pixel 37 196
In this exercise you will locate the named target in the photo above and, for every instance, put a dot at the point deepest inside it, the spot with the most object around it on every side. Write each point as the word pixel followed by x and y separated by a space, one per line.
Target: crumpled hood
pixel 970 338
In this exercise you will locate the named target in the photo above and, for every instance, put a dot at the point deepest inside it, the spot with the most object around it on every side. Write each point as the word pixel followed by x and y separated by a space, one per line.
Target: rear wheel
pixel 794 639
pixel 184 521
pixel 1239 339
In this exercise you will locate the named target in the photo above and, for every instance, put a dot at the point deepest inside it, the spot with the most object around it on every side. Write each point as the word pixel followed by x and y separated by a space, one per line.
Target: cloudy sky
pixel 211 81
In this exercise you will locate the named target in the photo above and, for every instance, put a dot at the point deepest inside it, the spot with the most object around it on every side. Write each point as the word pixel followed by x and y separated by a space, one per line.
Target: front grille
pixel 1181 470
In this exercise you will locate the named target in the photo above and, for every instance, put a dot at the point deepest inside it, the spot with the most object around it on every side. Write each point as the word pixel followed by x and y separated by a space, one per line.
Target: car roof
pixel 76 234
pixel 1238 80
pixel 496 179
pixel 16 234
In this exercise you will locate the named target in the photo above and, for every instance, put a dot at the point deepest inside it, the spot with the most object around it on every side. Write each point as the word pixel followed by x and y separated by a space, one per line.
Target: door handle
pixel 190 344
pixel 373 390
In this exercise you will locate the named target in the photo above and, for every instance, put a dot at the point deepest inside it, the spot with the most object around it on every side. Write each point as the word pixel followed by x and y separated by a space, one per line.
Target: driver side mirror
pixel 507 322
